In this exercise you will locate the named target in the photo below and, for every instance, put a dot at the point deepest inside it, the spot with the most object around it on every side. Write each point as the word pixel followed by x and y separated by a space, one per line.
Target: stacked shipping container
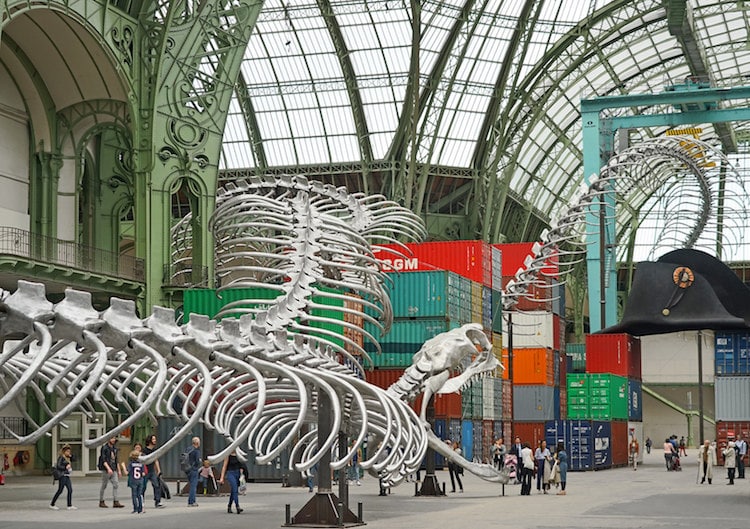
pixel 537 330
pixel 441 286
pixel 732 387
pixel 610 390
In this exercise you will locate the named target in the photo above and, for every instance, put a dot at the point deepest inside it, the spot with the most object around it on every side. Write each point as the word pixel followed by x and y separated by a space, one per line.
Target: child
pixel 206 478
pixel 136 481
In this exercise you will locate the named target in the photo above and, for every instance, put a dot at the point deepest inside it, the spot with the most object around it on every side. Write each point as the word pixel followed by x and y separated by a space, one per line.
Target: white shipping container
pixel 673 358
pixel 732 398
pixel 531 329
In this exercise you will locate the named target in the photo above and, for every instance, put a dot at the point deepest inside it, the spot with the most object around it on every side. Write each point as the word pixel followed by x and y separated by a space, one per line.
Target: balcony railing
pixel 21 243
pixel 17 425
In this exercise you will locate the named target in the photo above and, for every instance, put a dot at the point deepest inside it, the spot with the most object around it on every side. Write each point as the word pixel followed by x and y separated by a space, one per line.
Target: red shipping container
pixel 514 254
pixel 618 354
pixel 383 378
pixel 448 405
pixel 507 400
pixel 537 297
pixel 470 259
pixel 529 432
pixel 620 443
pixel 726 429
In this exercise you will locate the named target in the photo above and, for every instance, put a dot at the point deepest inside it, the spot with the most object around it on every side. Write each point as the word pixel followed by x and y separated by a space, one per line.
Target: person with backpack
pixel 63 468
pixel 191 462
pixel 110 472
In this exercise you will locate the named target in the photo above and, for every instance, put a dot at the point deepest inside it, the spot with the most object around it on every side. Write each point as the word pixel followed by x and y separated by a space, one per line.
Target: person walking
pixel 63 465
pixel 648 445
pixel 231 470
pixel 353 469
pixel 454 470
pixel 706 461
pixel 669 452
pixel 730 461
pixel 153 471
pixel 194 461
pixel 562 467
pixel 527 469
pixel 541 457
pixel 634 450
pixel 682 451
pixel 111 472
pixel 741 445
pixel 136 481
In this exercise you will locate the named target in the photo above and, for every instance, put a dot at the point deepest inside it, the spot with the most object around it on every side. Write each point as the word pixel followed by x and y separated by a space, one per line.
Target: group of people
pixel 734 454
pixel 112 470
pixel 548 467
pixel 139 475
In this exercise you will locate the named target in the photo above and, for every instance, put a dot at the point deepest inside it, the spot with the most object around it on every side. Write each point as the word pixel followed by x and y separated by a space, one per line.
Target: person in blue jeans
pixel 63 465
pixel 136 481
pixel 195 461
pixel 231 470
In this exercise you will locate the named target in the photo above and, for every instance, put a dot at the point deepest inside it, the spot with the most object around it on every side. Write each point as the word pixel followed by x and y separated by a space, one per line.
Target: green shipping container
pixel 433 294
pixel 597 396
pixel 208 303
pixel 408 336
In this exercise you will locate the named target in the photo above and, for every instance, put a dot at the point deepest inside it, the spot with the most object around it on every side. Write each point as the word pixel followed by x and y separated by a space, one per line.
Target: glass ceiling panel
pixel 303 107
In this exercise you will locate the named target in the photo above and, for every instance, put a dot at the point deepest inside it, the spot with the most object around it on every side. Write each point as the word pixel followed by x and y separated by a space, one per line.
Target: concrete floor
pixel 651 497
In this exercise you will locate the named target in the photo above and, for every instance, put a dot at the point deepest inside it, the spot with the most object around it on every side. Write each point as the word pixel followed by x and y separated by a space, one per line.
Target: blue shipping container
pixel 467 439
pixel 732 353
pixel 635 400
pixel 588 443
pixel 440 427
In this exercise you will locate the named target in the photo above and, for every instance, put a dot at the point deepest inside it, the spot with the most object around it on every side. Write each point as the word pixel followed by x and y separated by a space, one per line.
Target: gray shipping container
pixel 534 403
pixel 732 398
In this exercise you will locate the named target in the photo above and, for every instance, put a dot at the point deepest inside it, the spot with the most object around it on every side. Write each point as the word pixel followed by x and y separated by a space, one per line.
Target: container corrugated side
pixel 425 294
pixel 635 400
pixel 620 443
pixel 534 403
pixel 470 259
pixel 467 438
pixel 732 353
pixel 532 366
pixel 732 398
pixel 619 354
pixel 533 329
pixel 726 429
pixel 529 432
pixel 408 336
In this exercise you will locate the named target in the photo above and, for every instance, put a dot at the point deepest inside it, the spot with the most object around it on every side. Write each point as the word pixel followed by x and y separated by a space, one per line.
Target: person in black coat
pixel 64 467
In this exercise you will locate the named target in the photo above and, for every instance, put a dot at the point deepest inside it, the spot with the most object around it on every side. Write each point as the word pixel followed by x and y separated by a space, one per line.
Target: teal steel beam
pixel 598 145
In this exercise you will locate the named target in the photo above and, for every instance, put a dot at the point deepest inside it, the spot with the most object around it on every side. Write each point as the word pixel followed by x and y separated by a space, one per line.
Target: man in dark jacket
pixel 110 472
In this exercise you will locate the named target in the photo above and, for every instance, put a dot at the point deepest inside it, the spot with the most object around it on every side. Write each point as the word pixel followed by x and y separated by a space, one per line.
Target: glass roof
pixel 329 83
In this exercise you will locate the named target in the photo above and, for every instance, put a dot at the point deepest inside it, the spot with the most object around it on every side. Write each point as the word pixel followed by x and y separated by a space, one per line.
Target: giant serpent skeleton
pixel 258 379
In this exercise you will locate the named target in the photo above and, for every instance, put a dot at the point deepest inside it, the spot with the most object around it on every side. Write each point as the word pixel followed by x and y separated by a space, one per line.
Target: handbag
pixel 56 474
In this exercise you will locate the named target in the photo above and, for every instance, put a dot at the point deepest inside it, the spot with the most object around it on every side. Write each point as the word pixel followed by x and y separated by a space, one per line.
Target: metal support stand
pixel 325 509
pixel 430 485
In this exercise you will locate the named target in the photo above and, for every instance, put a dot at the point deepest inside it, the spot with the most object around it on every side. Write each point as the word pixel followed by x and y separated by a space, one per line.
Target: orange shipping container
pixel 532 366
